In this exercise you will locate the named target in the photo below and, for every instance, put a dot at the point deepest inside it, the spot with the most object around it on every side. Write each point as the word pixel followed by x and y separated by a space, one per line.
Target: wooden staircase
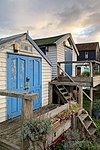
pixel 87 122
pixel 62 93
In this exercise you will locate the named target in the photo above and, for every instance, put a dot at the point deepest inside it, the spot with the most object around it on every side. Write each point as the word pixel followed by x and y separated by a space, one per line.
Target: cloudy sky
pixel 45 18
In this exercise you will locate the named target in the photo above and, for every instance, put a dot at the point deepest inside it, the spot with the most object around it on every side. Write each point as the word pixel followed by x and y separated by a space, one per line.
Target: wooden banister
pixel 27 101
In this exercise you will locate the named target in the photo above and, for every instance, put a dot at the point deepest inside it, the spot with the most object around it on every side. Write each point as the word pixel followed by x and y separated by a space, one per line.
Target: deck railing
pixel 91 65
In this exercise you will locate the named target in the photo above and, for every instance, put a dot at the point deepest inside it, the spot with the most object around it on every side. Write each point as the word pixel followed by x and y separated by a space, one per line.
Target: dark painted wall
pixel 91 55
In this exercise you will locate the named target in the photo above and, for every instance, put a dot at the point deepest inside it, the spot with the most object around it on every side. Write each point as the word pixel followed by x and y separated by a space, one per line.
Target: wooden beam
pixel 4 144
pixel 70 83
pixel 87 61
pixel 91 104
pixel 23 95
pixel 27 109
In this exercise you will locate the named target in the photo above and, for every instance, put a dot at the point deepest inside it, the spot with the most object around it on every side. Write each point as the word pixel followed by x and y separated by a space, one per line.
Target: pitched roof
pixel 48 41
pixel 87 46
pixel 11 38
pixel 7 39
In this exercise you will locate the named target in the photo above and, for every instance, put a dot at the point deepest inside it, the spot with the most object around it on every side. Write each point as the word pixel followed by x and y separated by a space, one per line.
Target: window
pixel 26 47
pixel 44 49
pixel 86 55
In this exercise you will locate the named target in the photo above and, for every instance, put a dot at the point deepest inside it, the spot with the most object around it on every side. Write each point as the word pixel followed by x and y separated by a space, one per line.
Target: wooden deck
pixel 10 130
pixel 81 81
pixel 96 80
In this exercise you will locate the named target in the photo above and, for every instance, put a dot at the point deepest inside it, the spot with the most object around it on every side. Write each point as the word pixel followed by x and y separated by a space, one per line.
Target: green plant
pixel 35 130
pixel 96 73
pixel 96 104
pixel 75 107
pixel 73 140
pixel 85 74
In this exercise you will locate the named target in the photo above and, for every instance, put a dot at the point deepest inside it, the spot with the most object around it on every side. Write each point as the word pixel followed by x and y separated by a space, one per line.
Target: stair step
pixel 64 93
pixel 87 124
pixel 61 89
pixel 67 97
pixel 92 131
pixel 83 116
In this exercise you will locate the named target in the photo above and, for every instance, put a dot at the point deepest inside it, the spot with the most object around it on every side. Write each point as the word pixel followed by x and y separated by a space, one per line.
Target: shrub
pixel 85 74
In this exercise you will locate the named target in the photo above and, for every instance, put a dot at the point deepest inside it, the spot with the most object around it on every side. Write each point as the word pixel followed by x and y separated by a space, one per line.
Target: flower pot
pixel 56 124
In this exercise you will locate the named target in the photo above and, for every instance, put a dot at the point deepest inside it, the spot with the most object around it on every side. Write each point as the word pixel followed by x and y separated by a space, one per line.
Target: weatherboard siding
pixel 3 83
pixel 61 54
pixel 46 78
pixel 74 58
pixel 52 56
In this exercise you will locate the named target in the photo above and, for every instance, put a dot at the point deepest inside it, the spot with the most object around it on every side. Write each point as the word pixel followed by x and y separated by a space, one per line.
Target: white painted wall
pixel 46 77
pixel 52 56
pixel 61 53
pixel 74 58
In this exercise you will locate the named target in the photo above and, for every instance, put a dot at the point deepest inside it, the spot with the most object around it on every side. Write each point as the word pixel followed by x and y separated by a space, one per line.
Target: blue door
pixel 20 67
pixel 68 57
pixel 35 76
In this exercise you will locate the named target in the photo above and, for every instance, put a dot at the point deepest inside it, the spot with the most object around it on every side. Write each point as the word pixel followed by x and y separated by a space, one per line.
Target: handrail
pixel 86 61
pixel 74 82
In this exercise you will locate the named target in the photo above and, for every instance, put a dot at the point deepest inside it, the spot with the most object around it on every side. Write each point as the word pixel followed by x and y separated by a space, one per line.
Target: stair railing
pixel 74 82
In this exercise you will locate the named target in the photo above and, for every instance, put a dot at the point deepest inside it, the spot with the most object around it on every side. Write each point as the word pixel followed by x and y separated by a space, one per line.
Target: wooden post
pixel 58 70
pixel 27 109
pixel 80 97
pixel 50 93
pixel 91 88
pixel 91 104
pixel 91 70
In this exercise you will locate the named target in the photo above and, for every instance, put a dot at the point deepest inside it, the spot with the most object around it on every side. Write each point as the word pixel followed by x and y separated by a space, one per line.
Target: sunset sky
pixel 45 18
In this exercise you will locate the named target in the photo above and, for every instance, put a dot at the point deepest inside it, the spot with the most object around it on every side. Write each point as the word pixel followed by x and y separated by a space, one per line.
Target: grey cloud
pixel 48 17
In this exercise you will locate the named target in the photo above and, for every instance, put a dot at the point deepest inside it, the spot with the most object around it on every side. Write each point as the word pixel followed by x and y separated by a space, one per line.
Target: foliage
pixel 85 74
pixel 34 130
pixel 96 73
pixel 96 104
pixel 97 121
pixel 75 107
pixel 72 141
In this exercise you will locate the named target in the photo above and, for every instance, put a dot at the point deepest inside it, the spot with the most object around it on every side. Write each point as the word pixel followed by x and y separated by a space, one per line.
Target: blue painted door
pixel 20 67
pixel 68 57
pixel 35 76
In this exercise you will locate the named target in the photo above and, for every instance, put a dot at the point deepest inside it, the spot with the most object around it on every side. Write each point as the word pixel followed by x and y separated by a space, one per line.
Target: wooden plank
pixel 4 145
pixel 96 80
pixel 59 94
pixel 86 61
pixel 54 112
pixel 76 79
pixel 54 134
pixel 70 83
pixel 27 96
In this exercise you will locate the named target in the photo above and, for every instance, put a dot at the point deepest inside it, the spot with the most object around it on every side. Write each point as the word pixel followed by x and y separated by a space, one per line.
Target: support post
pixel 27 109
pixel 80 97
pixel 91 69
pixel 91 88
pixel 91 104
pixel 58 70
pixel 50 93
